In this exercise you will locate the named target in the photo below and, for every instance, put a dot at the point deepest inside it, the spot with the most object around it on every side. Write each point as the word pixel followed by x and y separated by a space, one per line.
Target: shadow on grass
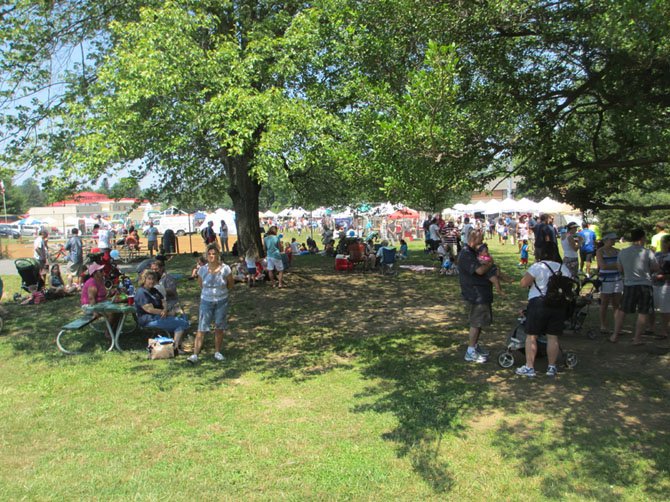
pixel 611 430
pixel 404 334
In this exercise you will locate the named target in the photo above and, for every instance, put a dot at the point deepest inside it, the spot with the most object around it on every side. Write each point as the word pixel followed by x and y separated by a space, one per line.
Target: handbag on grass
pixel 161 348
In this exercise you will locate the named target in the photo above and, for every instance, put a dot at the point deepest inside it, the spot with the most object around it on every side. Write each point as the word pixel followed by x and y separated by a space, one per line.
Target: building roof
pixel 89 198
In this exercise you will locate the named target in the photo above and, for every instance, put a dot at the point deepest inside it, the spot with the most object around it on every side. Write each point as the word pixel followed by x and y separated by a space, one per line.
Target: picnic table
pixel 108 307
pixel 102 308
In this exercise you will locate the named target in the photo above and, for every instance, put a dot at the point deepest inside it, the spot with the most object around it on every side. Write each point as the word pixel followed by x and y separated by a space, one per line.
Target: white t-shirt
pixel 40 251
pixel 103 238
pixel 568 252
pixel 434 232
pixel 295 247
pixel 540 271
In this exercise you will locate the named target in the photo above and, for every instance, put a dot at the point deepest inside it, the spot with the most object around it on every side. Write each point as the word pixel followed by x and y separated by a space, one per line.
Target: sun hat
pixel 94 267
pixel 611 236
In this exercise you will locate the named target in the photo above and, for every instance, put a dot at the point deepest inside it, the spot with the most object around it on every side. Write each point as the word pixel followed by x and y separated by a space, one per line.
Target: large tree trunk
pixel 244 191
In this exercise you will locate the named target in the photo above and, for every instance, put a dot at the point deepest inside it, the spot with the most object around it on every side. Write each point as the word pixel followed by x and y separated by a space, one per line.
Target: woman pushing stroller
pixel 543 317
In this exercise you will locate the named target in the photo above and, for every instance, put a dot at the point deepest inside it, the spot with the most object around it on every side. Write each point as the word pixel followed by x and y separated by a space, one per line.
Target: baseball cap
pixel 611 236
pixel 94 267
pixel 571 225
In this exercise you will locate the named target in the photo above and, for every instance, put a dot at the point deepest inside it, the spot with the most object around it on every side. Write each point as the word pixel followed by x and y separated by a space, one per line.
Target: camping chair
pixel 387 264
pixel 357 255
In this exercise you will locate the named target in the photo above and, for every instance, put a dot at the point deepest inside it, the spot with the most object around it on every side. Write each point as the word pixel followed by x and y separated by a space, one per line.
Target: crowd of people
pixel 633 280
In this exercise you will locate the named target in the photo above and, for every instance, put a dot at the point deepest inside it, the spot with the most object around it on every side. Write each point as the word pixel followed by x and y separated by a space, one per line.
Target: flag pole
pixel 4 205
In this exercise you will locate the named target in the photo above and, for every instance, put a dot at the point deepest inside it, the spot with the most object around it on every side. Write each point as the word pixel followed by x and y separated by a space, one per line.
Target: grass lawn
pixel 342 386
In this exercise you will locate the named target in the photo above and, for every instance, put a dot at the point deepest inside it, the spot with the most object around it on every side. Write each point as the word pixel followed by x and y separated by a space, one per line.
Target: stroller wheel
pixel 506 359
pixel 570 359
pixel 591 334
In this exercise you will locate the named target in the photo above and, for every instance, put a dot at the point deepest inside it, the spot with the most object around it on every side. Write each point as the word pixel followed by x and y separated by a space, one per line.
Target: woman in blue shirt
pixel 273 253
pixel 152 309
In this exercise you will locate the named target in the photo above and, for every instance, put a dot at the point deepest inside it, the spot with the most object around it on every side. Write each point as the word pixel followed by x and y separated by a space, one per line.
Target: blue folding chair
pixel 388 261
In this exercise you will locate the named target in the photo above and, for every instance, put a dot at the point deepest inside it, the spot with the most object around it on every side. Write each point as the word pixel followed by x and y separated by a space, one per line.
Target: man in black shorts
pixel 477 291
pixel 636 263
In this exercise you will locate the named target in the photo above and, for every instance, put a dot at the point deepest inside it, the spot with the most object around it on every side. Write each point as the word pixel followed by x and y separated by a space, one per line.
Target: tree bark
pixel 244 191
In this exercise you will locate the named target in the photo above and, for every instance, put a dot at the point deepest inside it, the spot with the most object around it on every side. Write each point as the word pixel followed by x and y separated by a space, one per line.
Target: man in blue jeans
pixel 477 292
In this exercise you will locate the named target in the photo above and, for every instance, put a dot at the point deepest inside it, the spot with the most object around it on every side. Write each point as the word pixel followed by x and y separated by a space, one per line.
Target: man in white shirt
pixel 40 252
pixel 103 237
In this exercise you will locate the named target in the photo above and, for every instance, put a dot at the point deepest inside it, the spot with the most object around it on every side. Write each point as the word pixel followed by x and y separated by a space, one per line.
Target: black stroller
pixel 578 311
pixel 516 347
pixel 29 270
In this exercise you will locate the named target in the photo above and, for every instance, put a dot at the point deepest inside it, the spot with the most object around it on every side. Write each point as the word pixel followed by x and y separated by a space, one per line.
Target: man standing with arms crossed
pixel 477 292
pixel 636 263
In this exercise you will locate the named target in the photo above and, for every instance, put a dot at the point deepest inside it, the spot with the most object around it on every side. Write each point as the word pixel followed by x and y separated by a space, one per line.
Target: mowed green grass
pixel 343 386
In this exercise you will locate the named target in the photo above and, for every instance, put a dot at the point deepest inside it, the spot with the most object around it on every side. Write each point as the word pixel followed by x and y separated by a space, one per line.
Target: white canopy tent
pixel 318 212
pixel 297 212
pixel 492 207
pixel 221 214
pixel 548 205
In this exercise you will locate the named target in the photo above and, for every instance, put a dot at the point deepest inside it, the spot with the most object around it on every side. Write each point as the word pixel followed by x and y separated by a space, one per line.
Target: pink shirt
pixel 101 293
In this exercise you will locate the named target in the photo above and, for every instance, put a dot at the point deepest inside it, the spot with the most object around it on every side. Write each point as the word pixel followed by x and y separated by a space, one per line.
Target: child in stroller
pixel 30 271
pixel 516 345
pixel 32 281
pixel 578 311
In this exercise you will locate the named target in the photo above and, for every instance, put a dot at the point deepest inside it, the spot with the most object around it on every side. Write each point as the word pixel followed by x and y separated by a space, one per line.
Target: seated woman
pixel 152 311
pixel 93 292
pixel 403 252
pixel 56 283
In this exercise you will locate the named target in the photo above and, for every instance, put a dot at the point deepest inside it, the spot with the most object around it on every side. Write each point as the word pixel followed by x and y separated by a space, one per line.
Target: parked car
pixel 7 231
pixel 29 230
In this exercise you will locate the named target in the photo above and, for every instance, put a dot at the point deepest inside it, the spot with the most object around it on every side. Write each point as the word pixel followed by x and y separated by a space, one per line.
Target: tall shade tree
pixel 211 97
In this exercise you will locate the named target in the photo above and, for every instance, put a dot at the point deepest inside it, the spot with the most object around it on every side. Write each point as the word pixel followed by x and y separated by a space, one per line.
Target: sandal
pixel 637 343
pixel 613 339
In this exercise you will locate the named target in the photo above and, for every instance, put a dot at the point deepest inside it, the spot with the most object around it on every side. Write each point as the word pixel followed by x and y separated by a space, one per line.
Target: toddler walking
pixel 523 260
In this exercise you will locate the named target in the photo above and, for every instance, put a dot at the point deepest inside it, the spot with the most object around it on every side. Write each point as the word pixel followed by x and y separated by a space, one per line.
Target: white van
pixel 179 224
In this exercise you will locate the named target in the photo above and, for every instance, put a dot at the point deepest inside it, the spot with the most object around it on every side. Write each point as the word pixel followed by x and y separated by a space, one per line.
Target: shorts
pixel 586 256
pixel 543 320
pixel 152 245
pixel 275 264
pixel 638 299
pixel 611 287
pixel 662 298
pixel 76 269
pixel 216 312
pixel 251 271
pixel 572 264
pixel 479 314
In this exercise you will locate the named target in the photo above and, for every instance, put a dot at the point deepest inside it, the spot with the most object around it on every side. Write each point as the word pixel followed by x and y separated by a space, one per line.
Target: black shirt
pixel 475 288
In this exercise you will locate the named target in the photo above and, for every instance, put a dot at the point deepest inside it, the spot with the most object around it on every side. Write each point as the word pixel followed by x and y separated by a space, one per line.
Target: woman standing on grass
pixel 612 284
pixel 273 253
pixel 216 279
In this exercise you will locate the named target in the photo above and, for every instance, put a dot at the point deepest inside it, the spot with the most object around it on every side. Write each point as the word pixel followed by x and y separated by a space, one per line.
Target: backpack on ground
pixel 561 289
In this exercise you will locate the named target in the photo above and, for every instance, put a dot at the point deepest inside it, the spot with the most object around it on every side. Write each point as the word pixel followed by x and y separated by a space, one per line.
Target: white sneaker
pixel 193 358
pixel 219 356
pixel 474 357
